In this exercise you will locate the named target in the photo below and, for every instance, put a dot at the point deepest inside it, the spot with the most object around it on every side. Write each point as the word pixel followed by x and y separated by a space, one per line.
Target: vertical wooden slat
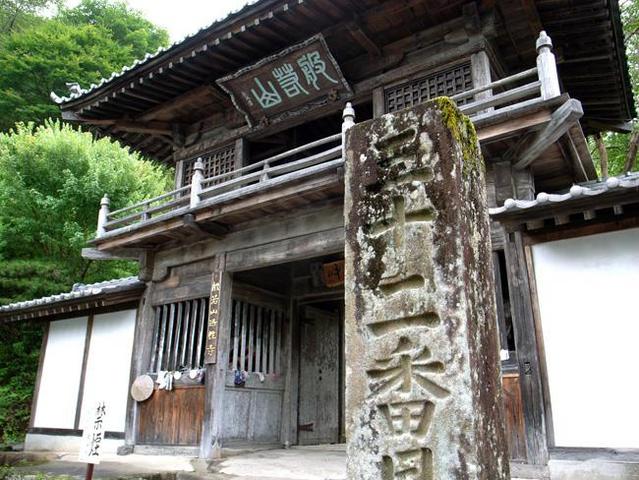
pixel 162 340
pixel 251 337
pixel 243 336
pixel 178 335
pixel 271 346
pixel 259 366
pixel 278 349
pixel 236 333
pixel 266 315
pixel 169 336
pixel 156 338
pixel 199 346
pixel 194 330
pixel 186 333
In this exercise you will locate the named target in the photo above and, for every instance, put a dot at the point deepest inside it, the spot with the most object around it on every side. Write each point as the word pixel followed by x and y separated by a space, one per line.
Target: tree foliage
pixel 82 44
pixel 52 178
pixel 618 144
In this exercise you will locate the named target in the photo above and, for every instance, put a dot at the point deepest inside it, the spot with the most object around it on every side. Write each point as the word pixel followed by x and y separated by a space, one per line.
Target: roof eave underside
pixel 232 43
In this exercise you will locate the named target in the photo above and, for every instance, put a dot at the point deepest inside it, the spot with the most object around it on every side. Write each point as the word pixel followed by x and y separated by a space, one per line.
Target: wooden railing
pixel 535 84
pixel 542 84
pixel 286 166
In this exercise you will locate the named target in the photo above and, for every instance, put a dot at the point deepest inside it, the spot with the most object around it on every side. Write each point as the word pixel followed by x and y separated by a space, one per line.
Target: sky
pixel 182 17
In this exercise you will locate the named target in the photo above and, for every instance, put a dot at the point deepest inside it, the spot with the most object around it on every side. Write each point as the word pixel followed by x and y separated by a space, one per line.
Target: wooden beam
pixel 512 126
pixel 560 122
pixel 364 40
pixel 117 254
pixel 182 101
pixel 298 248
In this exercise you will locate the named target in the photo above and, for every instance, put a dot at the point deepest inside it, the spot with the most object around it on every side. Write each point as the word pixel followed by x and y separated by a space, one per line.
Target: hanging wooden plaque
pixel 293 81
pixel 210 351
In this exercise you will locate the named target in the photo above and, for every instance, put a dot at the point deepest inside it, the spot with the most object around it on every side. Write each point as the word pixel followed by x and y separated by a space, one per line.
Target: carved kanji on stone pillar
pixel 423 391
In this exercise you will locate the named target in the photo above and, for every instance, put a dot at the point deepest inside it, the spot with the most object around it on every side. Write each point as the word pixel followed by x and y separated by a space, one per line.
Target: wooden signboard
pixel 210 351
pixel 333 273
pixel 93 435
pixel 291 82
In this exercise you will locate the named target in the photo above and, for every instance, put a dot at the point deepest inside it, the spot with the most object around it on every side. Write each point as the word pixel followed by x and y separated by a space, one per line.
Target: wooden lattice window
pixel 216 162
pixel 256 338
pixel 179 335
pixel 443 83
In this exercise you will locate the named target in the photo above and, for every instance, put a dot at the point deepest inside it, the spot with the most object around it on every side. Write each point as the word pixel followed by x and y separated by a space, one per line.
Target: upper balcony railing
pixel 532 85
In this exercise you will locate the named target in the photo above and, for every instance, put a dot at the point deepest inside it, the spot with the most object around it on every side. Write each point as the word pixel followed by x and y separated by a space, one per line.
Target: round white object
pixel 177 375
pixel 142 388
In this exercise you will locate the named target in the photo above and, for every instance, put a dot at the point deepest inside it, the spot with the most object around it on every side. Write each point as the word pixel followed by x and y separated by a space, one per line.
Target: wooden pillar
pixel 179 174
pixel 215 374
pixel 527 352
pixel 291 389
pixel 379 105
pixel 510 183
pixel 140 360
pixel 480 72
pixel 241 153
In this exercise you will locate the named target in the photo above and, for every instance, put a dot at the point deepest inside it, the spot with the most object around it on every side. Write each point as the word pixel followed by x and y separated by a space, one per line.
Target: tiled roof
pixel 77 92
pixel 588 189
pixel 79 290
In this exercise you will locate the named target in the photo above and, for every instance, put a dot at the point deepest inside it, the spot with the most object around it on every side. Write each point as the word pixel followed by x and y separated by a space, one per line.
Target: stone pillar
pixel 423 394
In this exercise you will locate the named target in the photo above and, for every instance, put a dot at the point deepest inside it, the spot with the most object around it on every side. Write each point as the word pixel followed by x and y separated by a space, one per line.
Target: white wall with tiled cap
pixel 586 289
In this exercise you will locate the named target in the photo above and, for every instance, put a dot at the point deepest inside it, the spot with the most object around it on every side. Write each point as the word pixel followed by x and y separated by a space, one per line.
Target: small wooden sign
pixel 210 351
pixel 300 78
pixel 93 435
pixel 333 273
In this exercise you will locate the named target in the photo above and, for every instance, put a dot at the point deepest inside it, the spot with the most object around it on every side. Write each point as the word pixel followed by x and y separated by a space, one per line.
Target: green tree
pixel 52 178
pixel 81 45
pixel 124 26
pixel 620 148
pixel 15 14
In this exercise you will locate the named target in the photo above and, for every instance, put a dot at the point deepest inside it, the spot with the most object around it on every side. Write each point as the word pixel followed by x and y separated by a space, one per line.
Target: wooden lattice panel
pixel 216 162
pixel 443 83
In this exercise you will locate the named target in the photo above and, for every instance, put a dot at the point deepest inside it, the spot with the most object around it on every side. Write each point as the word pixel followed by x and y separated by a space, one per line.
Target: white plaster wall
pixel 108 367
pixel 61 371
pixel 587 291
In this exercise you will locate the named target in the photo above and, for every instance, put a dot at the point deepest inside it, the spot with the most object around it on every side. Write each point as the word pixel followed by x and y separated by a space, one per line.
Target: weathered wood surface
pixel 319 411
pixel 214 413
pixel 422 371
pixel 514 417
pixel 172 417
pixel 527 352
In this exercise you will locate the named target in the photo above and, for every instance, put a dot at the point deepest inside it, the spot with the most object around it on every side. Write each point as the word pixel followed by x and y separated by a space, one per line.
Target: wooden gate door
pixel 319 377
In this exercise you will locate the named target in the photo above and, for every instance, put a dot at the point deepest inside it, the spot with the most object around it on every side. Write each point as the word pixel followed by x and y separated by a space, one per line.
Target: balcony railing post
pixel 196 182
pixel 348 120
pixel 547 67
pixel 103 216
pixel 264 176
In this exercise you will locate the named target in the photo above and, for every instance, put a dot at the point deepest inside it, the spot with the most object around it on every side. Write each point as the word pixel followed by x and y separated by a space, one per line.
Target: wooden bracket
pixel 215 230
pixel 560 122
